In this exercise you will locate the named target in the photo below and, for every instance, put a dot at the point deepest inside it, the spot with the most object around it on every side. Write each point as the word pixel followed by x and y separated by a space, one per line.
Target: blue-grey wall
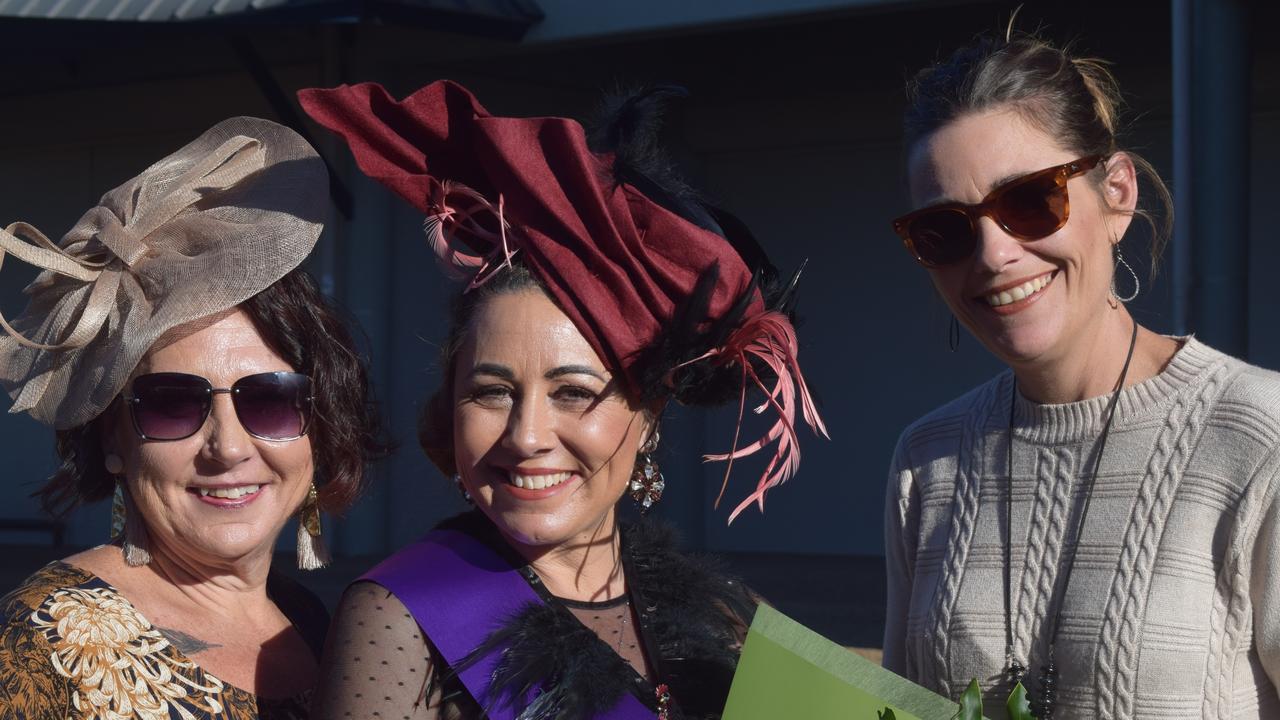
pixel 793 126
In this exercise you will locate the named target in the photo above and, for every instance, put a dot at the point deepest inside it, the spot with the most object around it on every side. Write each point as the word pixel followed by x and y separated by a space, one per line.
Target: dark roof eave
pixel 498 19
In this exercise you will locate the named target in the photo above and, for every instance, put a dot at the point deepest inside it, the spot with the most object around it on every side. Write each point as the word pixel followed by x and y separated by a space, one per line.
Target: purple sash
pixel 460 590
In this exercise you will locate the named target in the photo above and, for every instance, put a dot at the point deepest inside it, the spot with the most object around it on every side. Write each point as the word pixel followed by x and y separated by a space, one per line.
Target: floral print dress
pixel 73 648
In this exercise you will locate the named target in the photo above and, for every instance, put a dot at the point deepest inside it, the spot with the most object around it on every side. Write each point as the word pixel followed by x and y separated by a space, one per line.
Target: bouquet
pixel 787 670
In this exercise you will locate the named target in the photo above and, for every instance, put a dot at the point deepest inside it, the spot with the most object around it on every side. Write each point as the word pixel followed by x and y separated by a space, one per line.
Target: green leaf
pixel 970 703
pixel 886 714
pixel 1018 706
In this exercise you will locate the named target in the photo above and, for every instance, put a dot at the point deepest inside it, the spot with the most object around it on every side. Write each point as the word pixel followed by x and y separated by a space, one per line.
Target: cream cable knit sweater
pixel 1173 609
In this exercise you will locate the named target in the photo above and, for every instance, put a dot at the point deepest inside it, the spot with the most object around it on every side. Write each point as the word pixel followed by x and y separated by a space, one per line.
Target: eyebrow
pixel 947 200
pixel 505 373
pixel 1007 179
pixel 499 371
pixel 575 370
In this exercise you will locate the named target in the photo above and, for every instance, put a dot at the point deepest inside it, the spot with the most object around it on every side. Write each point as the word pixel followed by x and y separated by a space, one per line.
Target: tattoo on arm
pixel 187 644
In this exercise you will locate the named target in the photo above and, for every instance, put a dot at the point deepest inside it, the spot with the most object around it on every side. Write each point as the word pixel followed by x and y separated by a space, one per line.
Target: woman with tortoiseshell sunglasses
pixel 1098 522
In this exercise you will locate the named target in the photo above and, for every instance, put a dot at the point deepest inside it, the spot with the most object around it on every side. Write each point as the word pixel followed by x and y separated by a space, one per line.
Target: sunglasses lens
pixel 274 406
pixel 942 236
pixel 170 406
pixel 1034 209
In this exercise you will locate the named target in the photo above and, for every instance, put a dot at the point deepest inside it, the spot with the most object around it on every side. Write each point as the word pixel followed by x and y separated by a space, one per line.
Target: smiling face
pixel 1026 301
pixel 220 495
pixel 543 439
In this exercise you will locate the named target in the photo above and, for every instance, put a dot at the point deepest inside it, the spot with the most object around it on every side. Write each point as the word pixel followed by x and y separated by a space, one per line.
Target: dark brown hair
pixel 1074 100
pixel 435 423
pixel 298 322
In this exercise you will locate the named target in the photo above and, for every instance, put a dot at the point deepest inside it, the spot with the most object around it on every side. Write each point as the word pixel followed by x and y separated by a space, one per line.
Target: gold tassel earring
pixel 313 553
pixel 126 522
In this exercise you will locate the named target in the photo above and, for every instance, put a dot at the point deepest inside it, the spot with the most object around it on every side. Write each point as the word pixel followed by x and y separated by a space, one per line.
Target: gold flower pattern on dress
pixel 72 647
pixel 101 644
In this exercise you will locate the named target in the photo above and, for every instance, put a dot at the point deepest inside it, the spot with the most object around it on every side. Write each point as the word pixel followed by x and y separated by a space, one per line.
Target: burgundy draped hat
pixel 617 263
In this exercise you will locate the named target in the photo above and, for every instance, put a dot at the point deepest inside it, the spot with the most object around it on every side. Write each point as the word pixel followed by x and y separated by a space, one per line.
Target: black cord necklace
pixel 1046 695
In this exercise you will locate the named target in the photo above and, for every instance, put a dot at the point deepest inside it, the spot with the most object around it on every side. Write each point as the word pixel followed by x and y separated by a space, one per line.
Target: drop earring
pixel 647 483
pixel 313 552
pixel 462 489
pixel 1121 262
pixel 126 522
pixel 953 334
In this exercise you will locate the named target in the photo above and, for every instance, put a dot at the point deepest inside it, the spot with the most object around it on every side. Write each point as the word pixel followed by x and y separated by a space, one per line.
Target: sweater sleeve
pixel 1264 585
pixel 901 525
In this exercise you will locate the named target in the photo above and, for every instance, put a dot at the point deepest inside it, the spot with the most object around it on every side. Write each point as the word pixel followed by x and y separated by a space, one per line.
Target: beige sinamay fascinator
pixel 198 232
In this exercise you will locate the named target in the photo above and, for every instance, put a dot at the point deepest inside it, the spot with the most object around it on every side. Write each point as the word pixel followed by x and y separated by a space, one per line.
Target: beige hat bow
pixel 195 234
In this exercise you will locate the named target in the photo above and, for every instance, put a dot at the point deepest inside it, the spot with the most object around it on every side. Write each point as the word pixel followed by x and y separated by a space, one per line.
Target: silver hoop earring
pixel 953 334
pixel 1137 284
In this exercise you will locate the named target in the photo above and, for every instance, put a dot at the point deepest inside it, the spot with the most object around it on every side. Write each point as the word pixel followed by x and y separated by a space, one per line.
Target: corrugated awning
pixel 134 10
pixel 509 18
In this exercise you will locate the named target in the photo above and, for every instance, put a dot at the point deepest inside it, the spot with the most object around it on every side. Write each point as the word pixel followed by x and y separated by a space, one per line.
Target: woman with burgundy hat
pixel 598 289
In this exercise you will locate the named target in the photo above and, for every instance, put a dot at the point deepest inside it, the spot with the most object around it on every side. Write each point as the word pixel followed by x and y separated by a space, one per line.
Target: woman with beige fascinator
pixel 191 371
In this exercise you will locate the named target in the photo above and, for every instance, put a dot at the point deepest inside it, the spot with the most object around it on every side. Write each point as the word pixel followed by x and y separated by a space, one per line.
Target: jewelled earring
pixel 647 483
pixel 462 489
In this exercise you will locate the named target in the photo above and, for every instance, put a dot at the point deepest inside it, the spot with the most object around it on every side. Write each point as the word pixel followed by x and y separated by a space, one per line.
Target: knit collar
pixel 1070 422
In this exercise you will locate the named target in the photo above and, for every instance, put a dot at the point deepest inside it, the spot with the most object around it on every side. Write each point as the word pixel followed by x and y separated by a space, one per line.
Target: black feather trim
pixel 627 125
pixel 667 368
pixel 697 614
pixel 549 647
pixel 691 615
